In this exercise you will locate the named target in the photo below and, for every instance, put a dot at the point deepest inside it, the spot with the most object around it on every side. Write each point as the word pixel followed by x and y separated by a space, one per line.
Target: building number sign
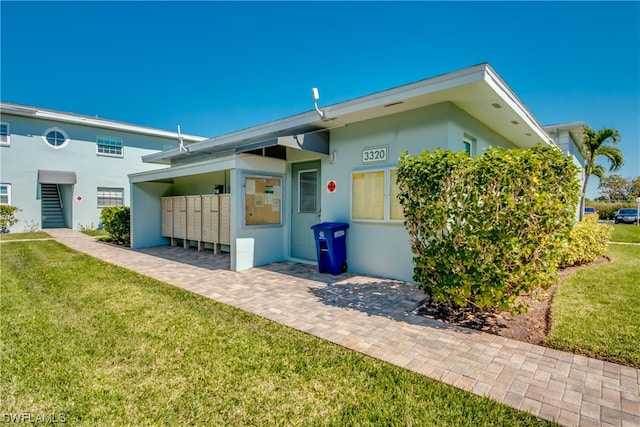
pixel 375 154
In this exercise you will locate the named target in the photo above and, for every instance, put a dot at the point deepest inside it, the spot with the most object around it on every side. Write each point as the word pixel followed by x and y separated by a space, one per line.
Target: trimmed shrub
pixel 116 220
pixel 7 217
pixel 607 210
pixel 587 241
pixel 486 229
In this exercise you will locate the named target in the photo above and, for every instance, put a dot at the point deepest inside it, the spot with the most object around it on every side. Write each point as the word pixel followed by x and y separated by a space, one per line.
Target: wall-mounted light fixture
pixel 181 147
pixel 332 157
pixel 316 97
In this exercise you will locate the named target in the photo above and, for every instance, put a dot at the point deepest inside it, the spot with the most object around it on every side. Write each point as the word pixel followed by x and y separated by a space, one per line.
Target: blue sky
pixel 217 67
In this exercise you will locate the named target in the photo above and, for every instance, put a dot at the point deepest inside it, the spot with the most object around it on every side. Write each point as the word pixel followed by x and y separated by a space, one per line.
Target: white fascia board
pixel 411 90
pixel 512 100
pixel 231 140
pixel 57 116
pixel 571 127
pixel 207 166
pixel 309 118
pixel 378 99
pixel 266 130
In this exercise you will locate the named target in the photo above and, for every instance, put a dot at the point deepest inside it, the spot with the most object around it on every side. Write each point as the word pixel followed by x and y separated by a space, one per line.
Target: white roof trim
pixel 493 79
pixel 371 106
pixel 58 116
pixel 212 165
pixel 572 127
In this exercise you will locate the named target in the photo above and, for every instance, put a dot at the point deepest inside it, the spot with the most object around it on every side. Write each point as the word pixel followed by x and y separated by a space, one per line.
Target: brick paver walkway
pixel 374 316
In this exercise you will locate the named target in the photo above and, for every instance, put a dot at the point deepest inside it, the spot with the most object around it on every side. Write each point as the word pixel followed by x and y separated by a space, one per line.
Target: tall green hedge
pixel 486 229
pixel 116 221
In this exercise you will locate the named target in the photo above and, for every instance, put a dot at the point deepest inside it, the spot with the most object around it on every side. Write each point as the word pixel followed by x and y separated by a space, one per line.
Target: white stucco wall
pixel 146 218
pixel 261 244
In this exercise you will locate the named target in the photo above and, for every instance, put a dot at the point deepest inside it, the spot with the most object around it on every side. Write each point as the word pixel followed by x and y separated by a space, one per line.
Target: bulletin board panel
pixel 263 200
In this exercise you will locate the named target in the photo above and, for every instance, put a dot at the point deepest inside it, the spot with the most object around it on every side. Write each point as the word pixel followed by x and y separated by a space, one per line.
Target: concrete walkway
pixel 374 316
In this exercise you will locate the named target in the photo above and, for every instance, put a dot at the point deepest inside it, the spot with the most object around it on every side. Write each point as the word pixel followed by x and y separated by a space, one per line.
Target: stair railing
pixel 59 196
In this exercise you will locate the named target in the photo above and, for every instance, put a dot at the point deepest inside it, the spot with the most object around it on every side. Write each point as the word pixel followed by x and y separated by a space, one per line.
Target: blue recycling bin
pixel 331 246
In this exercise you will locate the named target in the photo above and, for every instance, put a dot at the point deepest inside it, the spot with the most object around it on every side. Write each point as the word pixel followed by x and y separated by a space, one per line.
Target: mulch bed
pixel 531 327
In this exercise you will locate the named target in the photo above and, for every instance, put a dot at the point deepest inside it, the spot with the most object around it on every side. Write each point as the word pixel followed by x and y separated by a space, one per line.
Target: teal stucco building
pixel 60 169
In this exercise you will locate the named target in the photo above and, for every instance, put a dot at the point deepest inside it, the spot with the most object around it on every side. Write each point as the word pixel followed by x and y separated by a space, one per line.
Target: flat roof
pixel 478 90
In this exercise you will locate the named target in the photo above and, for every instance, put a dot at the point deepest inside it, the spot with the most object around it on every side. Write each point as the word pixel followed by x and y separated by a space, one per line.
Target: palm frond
pixel 613 154
pixel 598 171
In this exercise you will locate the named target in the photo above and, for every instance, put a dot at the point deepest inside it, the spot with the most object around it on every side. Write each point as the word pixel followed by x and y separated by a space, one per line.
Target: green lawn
pixel 96 233
pixel 106 346
pixel 626 233
pixel 596 311
pixel 23 236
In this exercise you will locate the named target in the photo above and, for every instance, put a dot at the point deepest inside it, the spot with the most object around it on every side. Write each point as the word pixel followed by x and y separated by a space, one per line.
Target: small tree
pixel 634 188
pixel 615 188
pixel 7 217
pixel 116 220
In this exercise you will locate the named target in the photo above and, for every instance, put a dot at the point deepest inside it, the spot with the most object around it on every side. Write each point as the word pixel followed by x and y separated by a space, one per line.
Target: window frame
pixel 6 143
pixel 315 196
pixel 471 143
pixel 103 198
pixel 8 186
pixel 386 198
pixel 110 139
pixel 58 130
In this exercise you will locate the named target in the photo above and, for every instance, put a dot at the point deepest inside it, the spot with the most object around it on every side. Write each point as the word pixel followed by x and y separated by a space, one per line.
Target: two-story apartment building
pixel 60 169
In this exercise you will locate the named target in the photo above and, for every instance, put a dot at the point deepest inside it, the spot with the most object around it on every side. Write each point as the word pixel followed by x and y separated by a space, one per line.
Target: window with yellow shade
pixel 367 195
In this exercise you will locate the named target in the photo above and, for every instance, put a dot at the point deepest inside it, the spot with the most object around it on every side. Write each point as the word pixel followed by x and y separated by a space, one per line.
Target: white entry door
pixel 305 208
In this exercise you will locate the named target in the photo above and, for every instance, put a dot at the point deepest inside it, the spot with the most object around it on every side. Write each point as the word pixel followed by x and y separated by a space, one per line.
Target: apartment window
pixel 109 146
pixel 469 145
pixel 5 194
pixel 374 196
pixel 55 138
pixel 5 134
pixel 110 196
pixel 367 195
pixel 307 181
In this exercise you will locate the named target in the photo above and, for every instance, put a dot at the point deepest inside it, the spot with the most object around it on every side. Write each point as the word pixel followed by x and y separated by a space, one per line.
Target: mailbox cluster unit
pixel 203 219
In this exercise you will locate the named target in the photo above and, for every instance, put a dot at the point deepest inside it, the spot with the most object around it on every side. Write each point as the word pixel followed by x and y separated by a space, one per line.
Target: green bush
pixel 7 217
pixel 116 221
pixel 607 210
pixel 587 241
pixel 489 228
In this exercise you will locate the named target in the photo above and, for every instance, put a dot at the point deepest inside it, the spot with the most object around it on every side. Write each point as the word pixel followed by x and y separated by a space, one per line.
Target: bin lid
pixel 330 226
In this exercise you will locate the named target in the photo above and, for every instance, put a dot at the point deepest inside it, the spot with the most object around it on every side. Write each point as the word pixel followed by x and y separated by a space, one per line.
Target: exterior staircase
pixel 52 216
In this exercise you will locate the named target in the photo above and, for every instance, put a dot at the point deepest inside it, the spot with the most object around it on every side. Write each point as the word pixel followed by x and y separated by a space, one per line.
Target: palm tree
pixel 596 144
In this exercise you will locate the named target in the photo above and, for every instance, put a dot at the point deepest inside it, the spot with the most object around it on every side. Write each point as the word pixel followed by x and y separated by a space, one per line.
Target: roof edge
pixel 501 87
pixel 60 116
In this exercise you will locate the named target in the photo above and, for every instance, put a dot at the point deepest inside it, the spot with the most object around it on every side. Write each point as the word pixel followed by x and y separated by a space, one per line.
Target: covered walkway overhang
pixel 204 177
